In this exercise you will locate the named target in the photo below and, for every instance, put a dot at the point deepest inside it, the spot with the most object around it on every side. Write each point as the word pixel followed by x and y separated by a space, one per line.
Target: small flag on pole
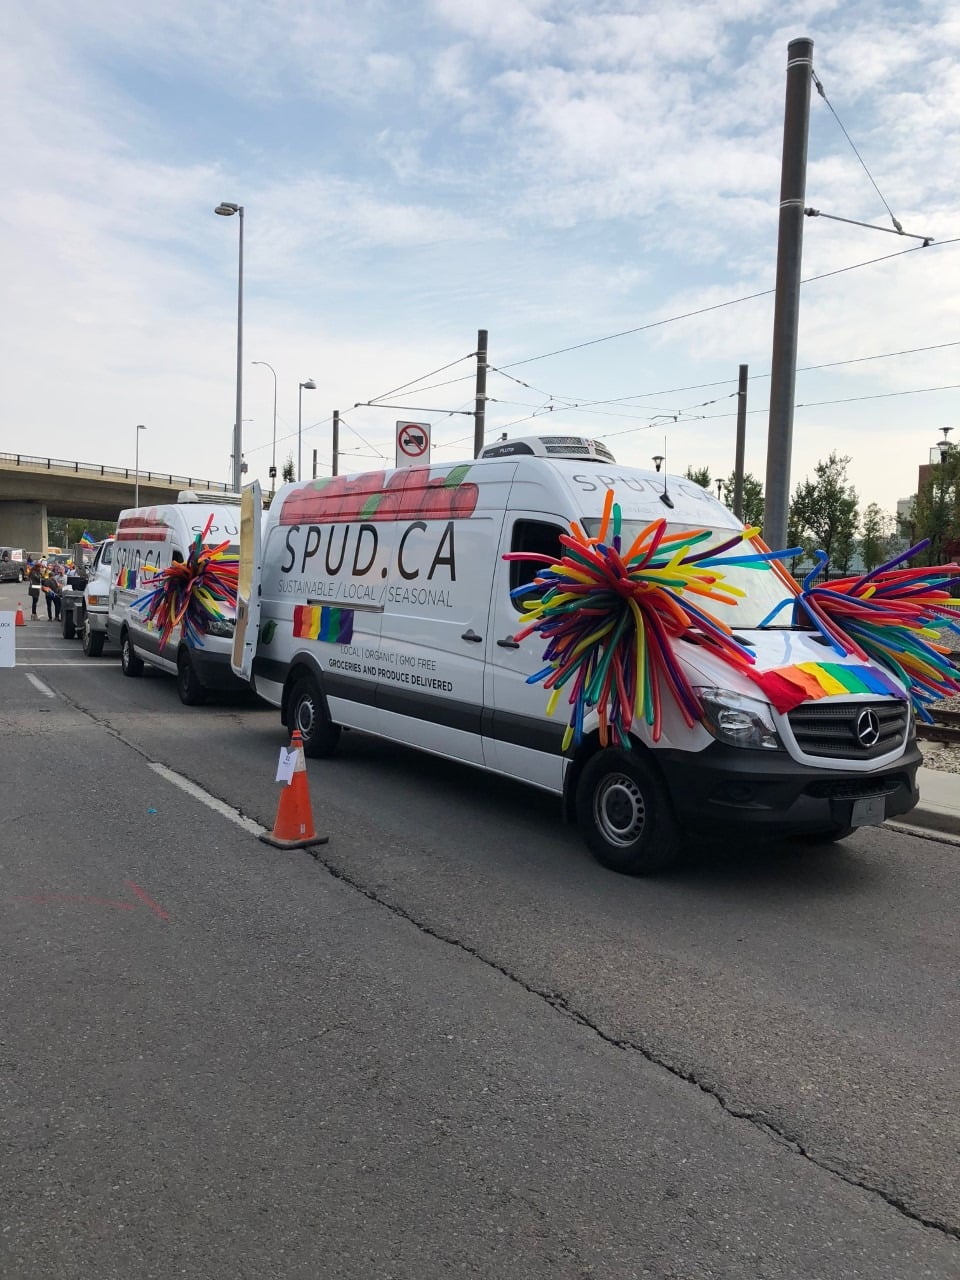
pixel 87 541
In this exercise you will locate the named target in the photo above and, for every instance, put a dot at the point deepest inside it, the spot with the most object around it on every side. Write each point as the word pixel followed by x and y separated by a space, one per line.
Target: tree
pixel 289 470
pixel 937 510
pixel 64 532
pixel 752 498
pixel 824 511
pixel 699 475
pixel 876 526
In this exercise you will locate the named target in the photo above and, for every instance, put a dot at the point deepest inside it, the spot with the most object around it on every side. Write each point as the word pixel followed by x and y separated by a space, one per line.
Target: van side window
pixel 536 536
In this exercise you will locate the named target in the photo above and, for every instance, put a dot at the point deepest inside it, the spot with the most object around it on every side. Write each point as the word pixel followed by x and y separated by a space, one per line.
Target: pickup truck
pixel 84 605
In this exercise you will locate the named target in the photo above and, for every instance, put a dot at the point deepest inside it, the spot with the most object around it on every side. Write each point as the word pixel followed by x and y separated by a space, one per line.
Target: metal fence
pixel 118 473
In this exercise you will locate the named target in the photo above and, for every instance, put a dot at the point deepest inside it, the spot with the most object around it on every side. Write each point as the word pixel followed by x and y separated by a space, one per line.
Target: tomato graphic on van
pixel 410 493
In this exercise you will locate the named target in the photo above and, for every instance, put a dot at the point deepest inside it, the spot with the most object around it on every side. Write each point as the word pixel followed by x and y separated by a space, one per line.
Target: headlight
pixel 219 627
pixel 739 721
pixel 96 600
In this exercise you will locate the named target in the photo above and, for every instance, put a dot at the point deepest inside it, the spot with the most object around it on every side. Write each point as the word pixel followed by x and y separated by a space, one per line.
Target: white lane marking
pixel 74 662
pixel 198 793
pixel 40 686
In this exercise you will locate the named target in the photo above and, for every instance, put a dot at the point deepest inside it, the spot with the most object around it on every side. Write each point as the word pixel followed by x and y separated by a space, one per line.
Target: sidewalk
pixel 939 807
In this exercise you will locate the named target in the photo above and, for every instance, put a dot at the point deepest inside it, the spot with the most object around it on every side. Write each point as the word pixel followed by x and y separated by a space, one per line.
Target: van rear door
pixel 248 587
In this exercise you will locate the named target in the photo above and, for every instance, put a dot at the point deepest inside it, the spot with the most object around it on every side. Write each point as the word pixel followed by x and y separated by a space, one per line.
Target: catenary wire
pixel 718 306
pixel 823 94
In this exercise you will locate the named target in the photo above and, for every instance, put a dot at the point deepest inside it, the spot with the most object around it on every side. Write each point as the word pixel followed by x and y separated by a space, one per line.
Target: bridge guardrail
pixel 125 473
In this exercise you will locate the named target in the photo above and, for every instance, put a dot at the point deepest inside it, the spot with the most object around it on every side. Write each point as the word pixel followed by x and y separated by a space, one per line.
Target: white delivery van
pixel 384 605
pixel 149 539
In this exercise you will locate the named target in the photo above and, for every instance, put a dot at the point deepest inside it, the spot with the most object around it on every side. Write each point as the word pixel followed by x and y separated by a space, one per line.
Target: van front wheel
pixel 92 641
pixel 624 814
pixel 306 711
pixel 130 664
pixel 192 692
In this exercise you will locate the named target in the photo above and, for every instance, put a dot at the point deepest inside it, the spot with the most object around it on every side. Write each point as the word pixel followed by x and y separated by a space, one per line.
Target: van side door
pixel 434 638
pixel 520 739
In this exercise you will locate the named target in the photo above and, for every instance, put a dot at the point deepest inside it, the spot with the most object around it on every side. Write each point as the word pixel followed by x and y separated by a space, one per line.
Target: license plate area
pixel 868 811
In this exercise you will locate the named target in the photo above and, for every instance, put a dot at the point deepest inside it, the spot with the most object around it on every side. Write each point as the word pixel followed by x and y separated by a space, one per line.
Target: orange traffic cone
pixel 293 826
pixel 19 621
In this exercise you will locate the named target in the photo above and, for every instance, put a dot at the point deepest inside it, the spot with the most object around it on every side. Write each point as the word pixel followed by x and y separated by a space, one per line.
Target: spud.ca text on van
pixel 422 557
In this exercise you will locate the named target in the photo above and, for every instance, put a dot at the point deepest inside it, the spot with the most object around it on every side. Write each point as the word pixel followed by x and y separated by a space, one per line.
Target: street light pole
pixel 227 209
pixel 309 385
pixel 273 456
pixel 136 464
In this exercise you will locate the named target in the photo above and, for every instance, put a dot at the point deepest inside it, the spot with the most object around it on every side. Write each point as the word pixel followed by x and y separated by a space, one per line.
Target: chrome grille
pixel 829 729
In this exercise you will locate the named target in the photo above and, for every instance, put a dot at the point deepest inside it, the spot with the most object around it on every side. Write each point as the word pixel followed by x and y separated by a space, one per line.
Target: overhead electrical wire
pixel 413 382
pixel 818 84
pixel 719 306
pixel 583 402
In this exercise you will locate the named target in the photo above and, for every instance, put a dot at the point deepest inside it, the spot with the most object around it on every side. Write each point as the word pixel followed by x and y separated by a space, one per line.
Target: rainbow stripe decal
pixel 323 622
pixel 127 579
pixel 787 687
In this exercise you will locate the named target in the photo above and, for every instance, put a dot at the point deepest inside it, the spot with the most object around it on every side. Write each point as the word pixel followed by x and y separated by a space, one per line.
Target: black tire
pixel 624 814
pixel 130 664
pixel 69 630
pixel 92 641
pixel 192 692
pixel 307 711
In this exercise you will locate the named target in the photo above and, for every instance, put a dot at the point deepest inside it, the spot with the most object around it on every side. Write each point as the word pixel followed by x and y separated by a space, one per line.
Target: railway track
pixel 946 727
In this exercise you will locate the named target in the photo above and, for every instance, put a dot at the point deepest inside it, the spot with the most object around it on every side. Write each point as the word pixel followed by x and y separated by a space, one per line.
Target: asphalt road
pixel 453 1045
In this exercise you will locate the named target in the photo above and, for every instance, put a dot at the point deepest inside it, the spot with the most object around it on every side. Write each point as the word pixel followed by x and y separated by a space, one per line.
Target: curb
pixel 926 820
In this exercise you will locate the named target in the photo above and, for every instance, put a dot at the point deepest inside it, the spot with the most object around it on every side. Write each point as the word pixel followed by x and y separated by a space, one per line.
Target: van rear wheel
pixel 625 815
pixel 192 692
pixel 307 711
pixel 130 664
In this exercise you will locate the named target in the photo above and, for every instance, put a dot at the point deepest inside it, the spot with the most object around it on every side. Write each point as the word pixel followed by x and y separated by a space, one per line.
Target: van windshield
pixel 763 587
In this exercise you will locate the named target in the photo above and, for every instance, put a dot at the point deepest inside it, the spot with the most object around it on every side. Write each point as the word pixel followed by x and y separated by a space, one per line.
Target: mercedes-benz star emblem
pixel 868 728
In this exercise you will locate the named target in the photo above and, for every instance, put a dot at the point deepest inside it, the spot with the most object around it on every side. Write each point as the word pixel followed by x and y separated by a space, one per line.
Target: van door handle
pixel 508 643
pixel 472 636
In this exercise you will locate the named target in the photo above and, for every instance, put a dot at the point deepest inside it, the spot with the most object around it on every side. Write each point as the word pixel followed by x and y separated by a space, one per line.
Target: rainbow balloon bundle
pixel 192 593
pixel 610 618
pixel 892 615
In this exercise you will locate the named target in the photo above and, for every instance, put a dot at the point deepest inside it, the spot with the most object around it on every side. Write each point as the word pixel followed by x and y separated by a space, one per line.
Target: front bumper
pixel 727 788
pixel 214 670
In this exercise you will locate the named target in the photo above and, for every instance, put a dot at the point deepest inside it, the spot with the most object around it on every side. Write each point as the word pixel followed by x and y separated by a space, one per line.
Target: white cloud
pixel 553 171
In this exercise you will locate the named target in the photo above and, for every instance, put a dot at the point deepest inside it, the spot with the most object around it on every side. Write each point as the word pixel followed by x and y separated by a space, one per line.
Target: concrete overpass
pixel 31 488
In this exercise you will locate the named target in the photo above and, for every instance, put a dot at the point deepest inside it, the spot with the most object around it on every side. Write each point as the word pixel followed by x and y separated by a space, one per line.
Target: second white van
pixel 148 540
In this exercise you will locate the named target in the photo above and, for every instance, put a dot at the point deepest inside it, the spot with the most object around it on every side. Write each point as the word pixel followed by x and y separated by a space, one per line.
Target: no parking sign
pixel 413 444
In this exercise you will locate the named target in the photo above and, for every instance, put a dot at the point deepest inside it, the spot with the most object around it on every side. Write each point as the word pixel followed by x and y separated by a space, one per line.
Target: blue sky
pixel 552 171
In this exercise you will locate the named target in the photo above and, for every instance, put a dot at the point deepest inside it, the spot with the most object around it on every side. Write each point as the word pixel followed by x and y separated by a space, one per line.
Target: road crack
pixel 556 1000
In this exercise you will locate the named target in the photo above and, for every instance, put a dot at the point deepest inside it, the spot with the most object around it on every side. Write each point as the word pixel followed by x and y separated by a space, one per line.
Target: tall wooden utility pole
pixel 786 313
pixel 741 443
pixel 480 410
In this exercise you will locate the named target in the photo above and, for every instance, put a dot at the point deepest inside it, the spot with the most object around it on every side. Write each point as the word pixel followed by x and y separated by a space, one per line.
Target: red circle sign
pixel 413 440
